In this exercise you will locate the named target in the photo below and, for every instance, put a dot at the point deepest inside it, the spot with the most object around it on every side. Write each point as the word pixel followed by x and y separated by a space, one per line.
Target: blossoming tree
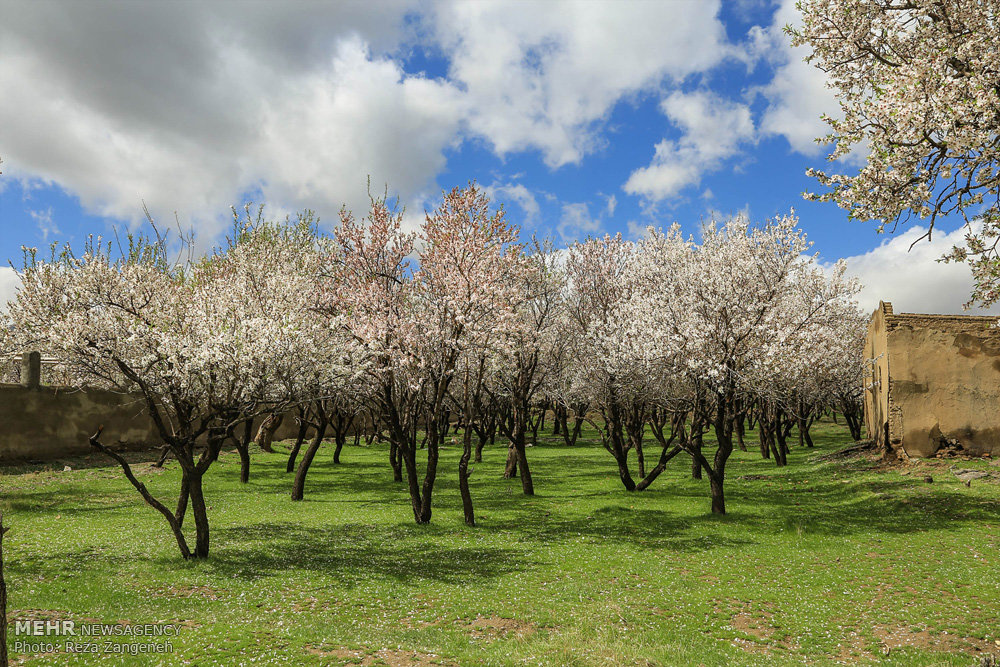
pixel 206 344
pixel 919 84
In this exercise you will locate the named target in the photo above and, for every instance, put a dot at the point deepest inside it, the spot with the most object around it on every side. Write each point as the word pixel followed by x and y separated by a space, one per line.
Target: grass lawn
pixel 818 562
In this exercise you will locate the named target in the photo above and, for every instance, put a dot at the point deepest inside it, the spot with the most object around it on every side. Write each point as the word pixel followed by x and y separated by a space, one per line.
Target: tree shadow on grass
pixel 616 525
pixel 354 553
pixel 883 505
pixel 81 461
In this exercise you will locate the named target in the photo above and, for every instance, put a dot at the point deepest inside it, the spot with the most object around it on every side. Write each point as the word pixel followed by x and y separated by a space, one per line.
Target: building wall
pixel 944 382
pixel 876 396
pixel 934 379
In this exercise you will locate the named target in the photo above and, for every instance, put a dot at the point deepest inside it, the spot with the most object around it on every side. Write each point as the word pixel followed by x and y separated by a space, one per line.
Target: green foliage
pixel 816 562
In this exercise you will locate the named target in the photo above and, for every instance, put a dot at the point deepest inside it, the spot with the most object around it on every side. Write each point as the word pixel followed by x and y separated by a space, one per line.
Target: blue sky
pixel 582 118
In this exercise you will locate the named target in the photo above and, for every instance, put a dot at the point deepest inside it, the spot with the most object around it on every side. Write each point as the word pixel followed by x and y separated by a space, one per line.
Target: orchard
pixel 458 326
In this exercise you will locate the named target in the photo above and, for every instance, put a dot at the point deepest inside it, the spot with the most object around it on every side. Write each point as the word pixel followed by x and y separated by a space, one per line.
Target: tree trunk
pixel 660 466
pixel 182 498
pixel 243 448
pixel 723 426
pixel 640 458
pixel 409 456
pixel 696 444
pixel 534 428
pixel 341 425
pixel 463 478
pixel 172 518
pixel 718 495
pixel 341 438
pixel 265 434
pixel 396 461
pixel 200 514
pixel 771 434
pixel 623 471
pixel 430 475
pixel 481 442
pixel 741 433
pixel 781 452
pixel 521 422
pixel 527 485
pixel 570 438
pixel 298 488
pixel 510 471
pixel 300 437
pixel 3 601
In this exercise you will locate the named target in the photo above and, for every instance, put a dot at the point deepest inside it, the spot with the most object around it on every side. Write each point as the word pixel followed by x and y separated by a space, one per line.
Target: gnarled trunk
pixel 718 494
pixel 623 471
pixel 463 478
pixel 298 488
pixel 510 470
pixel 243 447
pixel 300 437
pixel 265 434
pixel 396 461
pixel 200 512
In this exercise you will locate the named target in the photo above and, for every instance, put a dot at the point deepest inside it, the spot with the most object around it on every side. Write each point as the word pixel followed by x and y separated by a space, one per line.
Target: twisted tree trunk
pixel 299 439
pixel 322 420
pixel 265 434
pixel 463 478
pixel 243 447
pixel 173 519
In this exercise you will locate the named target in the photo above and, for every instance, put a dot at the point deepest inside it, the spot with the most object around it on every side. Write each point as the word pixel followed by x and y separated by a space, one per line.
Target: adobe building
pixel 934 382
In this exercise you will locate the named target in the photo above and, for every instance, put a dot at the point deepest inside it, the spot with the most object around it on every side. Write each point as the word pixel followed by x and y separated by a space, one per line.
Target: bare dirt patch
pixel 756 627
pixel 893 637
pixel 497 627
pixel 382 657
pixel 853 650
pixel 756 622
pixel 35 615
pixel 204 592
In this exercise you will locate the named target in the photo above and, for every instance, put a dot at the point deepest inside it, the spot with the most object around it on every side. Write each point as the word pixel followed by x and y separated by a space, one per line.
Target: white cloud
pixel 797 95
pixel 912 280
pixel 576 222
pixel 520 195
pixel 541 75
pixel 187 107
pixel 712 129
pixel 9 284
pixel 612 204
pixel 637 230
pixel 43 218
pixel 712 213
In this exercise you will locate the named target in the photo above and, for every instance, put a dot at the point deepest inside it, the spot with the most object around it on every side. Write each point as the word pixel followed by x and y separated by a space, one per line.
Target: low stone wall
pixel 39 422
pixel 44 423
pixel 52 422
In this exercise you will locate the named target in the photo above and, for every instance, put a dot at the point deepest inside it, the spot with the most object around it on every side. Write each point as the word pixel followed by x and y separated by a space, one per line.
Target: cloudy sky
pixel 582 118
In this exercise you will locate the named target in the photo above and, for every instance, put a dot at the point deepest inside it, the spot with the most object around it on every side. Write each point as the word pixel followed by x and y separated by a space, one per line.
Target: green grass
pixel 815 563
